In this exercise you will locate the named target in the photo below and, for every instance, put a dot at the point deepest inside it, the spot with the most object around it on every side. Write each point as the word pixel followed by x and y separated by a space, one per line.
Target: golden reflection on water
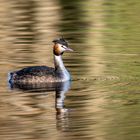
pixel 104 68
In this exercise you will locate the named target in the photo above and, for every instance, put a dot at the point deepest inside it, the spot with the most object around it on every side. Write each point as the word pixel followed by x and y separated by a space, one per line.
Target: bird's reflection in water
pixel 61 112
pixel 60 91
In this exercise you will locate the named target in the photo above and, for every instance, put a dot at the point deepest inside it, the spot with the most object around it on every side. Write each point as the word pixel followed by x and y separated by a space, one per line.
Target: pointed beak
pixel 69 49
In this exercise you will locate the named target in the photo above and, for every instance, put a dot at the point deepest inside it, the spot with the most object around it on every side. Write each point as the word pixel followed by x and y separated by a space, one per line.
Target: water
pixel 103 100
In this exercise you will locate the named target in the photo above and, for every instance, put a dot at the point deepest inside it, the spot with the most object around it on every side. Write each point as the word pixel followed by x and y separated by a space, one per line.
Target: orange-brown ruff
pixel 45 74
pixel 56 50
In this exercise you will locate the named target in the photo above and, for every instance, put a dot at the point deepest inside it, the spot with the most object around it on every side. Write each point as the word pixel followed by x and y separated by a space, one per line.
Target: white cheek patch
pixel 62 47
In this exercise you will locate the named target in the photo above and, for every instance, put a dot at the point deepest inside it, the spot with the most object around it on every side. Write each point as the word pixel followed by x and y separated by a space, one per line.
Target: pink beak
pixel 69 49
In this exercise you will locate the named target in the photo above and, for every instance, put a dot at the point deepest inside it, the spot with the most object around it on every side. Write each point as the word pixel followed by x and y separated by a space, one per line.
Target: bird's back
pixel 35 74
pixel 36 71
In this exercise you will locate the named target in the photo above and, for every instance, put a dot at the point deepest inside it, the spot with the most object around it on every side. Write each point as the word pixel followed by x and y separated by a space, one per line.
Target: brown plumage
pixel 56 50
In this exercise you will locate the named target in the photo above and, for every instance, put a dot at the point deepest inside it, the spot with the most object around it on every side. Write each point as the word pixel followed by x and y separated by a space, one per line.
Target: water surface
pixel 103 100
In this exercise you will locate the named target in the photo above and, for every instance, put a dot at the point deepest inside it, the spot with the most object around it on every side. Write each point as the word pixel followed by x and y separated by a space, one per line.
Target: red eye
pixel 63 47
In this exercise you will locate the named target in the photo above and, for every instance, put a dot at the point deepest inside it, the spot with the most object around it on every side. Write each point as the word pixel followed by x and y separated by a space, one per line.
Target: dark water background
pixel 103 102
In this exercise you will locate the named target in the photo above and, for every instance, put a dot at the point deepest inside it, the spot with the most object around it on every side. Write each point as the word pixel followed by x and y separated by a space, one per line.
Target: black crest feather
pixel 61 41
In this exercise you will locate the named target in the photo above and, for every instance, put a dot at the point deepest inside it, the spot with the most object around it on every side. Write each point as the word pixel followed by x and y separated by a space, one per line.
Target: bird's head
pixel 60 46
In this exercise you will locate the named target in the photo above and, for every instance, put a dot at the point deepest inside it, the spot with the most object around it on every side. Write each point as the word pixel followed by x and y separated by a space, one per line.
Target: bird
pixel 45 74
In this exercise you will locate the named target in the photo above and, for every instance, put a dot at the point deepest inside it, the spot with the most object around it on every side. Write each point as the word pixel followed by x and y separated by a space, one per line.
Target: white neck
pixel 59 67
pixel 58 62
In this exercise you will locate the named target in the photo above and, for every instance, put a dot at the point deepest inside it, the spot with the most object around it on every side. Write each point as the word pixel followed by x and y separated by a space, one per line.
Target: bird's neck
pixel 60 69
pixel 58 62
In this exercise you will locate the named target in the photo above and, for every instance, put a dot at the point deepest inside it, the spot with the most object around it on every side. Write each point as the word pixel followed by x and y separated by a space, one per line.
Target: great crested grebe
pixel 45 74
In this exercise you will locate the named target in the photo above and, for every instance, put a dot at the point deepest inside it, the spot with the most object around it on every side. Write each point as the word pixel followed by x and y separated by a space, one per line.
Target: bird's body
pixel 44 74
